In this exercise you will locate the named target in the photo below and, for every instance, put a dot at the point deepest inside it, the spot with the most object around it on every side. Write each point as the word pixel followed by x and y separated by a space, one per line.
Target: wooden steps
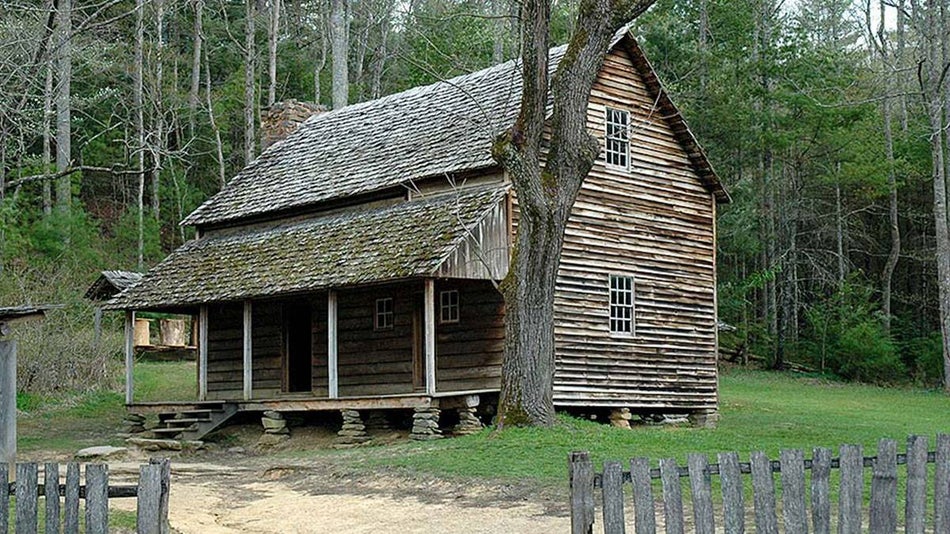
pixel 193 422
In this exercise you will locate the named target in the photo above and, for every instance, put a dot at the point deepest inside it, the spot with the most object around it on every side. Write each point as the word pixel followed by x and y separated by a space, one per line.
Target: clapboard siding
pixel 375 362
pixel 225 350
pixel 654 222
pixel 469 353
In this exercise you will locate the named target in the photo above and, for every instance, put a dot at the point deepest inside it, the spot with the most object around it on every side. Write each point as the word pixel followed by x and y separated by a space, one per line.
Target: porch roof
pixel 406 240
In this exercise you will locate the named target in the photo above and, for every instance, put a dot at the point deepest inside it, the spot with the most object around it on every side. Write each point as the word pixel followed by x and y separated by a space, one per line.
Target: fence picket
pixel 820 490
pixel 166 465
pixel 4 497
pixel 148 507
pixel 672 496
pixel 883 518
pixel 643 507
pixel 71 500
pixel 794 516
pixel 26 506
pixel 51 497
pixel 763 494
pixel 850 495
pixel 942 485
pixel 915 510
pixel 97 499
pixel 582 493
pixel 612 482
pixel 701 491
pixel 733 508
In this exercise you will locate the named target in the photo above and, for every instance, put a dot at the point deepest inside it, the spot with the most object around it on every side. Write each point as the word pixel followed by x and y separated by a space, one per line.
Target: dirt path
pixel 262 496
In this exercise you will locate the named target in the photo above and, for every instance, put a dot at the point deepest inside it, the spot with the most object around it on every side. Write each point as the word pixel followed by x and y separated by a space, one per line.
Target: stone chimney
pixel 283 119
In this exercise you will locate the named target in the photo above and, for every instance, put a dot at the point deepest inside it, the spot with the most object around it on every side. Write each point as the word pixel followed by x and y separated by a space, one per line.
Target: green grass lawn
pixel 759 411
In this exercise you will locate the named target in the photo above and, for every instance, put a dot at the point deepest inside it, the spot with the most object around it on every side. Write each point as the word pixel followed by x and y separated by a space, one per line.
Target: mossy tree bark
pixel 545 196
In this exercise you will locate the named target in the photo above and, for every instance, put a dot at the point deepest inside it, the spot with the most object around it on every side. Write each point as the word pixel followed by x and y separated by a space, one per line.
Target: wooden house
pixel 353 265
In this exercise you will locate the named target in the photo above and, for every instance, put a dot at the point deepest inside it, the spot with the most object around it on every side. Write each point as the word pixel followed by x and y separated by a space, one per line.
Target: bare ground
pixel 229 492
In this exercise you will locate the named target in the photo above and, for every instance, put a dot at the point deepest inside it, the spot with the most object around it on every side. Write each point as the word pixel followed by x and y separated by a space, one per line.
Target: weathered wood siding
pixel 484 254
pixel 654 222
pixel 469 353
pixel 375 362
pixel 225 350
pixel 225 339
pixel 318 315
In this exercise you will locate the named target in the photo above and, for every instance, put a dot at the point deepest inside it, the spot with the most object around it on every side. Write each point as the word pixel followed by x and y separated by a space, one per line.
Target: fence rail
pixel 791 466
pixel 152 493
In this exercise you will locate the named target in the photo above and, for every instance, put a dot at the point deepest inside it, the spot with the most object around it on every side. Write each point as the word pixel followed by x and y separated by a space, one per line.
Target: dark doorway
pixel 298 339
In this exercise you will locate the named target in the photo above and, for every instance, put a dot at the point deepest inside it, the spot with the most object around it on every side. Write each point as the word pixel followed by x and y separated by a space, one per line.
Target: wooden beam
pixel 429 336
pixel 8 403
pixel 129 355
pixel 332 360
pixel 347 403
pixel 203 352
pixel 248 364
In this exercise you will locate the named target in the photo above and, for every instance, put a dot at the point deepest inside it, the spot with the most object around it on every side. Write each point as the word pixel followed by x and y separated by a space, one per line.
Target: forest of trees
pixel 825 120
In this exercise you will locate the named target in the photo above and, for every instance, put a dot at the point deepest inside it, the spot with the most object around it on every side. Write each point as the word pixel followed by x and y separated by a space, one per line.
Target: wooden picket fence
pixel 882 516
pixel 63 516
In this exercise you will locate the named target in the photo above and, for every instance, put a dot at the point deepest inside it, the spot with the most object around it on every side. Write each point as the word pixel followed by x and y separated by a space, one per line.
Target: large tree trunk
pixel 219 146
pixel 64 74
pixel 158 134
pixel 47 135
pixel 545 197
pixel 339 45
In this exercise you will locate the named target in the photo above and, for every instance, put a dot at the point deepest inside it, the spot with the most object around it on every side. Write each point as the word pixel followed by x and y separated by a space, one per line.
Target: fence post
pixel 4 497
pixel 820 490
pixel 672 496
pixel 851 491
pixel 883 518
pixel 166 491
pixel 915 510
pixel 644 511
pixel 97 499
pixel 8 401
pixel 148 508
pixel 763 494
pixel 71 500
pixel 701 491
pixel 26 482
pixel 733 509
pixel 942 485
pixel 51 494
pixel 613 498
pixel 582 492
pixel 794 516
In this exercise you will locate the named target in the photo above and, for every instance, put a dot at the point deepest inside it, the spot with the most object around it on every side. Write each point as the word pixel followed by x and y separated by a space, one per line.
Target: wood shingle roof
pixel 406 240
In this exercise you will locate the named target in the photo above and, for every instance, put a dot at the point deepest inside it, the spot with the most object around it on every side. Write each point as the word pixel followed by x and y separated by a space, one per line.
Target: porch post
pixel 429 337
pixel 129 354
pixel 248 365
pixel 203 352
pixel 332 382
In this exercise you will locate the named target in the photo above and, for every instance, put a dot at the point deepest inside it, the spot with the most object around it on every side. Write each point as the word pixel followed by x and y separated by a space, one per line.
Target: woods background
pixel 824 119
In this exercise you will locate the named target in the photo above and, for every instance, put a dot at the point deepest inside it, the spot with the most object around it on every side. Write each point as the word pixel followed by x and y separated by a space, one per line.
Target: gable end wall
pixel 654 222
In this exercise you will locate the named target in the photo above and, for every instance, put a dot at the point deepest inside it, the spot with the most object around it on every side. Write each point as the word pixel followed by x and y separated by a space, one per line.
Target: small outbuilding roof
pixel 111 283
pixel 405 240
pixel 14 314
pixel 440 129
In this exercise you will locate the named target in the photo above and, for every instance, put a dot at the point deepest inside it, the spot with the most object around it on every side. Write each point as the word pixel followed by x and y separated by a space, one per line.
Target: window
pixel 618 138
pixel 384 314
pixel 621 305
pixel 449 307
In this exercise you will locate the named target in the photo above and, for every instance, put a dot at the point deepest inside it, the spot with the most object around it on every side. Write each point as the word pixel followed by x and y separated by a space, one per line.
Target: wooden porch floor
pixel 314 404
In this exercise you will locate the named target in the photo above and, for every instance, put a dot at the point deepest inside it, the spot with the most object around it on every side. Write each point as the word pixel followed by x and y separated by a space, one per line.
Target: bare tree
pixel 273 33
pixel 139 144
pixel 250 75
pixel 197 39
pixel 64 75
pixel 339 38
pixel 545 196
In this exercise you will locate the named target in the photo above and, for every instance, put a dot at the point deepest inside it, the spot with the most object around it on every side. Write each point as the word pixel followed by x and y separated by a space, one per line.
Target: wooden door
pixel 418 343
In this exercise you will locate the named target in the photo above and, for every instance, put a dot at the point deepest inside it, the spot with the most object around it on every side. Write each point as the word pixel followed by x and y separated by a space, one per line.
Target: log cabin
pixel 354 264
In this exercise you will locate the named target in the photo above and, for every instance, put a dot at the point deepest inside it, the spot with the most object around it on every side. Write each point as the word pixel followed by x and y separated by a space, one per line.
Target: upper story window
pixel 384 314
pixel 621 305
pixel 617 150
pixel 449 307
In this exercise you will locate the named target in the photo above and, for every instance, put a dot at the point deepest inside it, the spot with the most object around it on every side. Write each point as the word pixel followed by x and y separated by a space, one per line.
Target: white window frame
pixel 617 138
pixel 449 307
pixel 621 305
pixel 384 315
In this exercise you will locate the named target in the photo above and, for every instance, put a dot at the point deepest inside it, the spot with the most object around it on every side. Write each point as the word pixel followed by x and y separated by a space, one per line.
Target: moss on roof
pixel 407 240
